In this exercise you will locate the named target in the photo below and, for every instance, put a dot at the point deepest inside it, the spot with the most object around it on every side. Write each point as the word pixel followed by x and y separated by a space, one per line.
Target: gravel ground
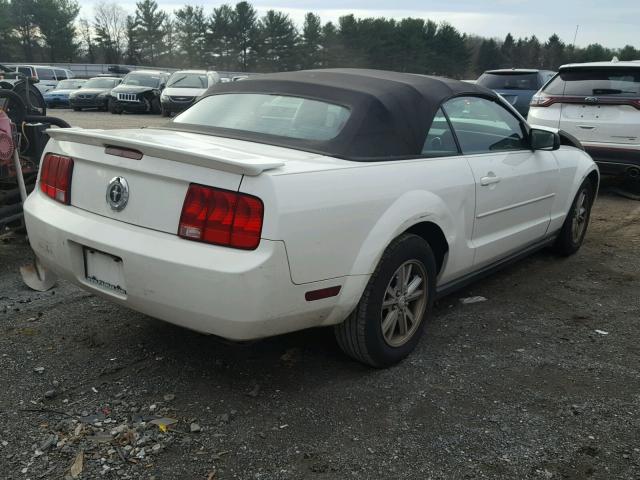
pixel 539 381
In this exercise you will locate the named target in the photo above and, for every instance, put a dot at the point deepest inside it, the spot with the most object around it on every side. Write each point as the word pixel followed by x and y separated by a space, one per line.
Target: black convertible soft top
pixel 391 112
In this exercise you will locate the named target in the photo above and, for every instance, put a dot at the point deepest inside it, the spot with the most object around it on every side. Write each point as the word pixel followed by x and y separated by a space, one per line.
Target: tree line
pixel 237 38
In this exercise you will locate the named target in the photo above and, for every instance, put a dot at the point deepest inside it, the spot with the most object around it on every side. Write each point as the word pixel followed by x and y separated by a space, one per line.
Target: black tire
pixel 569 241
pixel 77 109
pixel 360 336
pixel 156 108
pixel 113 108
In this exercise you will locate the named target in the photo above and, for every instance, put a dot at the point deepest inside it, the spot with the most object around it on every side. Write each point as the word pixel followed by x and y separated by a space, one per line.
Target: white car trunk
pixel 602 123
pixel 159 180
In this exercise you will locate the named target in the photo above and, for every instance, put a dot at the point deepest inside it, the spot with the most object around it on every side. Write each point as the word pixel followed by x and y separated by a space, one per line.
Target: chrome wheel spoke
pixel 402 323
pixel 389 323
pixel 414 296
pixel 404 303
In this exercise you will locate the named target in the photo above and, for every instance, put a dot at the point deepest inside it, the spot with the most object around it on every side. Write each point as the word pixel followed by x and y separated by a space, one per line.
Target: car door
pixel 515 186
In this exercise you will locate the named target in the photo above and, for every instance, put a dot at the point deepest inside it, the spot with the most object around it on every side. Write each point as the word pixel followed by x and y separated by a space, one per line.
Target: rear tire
pixel 575 225
pixel 380 332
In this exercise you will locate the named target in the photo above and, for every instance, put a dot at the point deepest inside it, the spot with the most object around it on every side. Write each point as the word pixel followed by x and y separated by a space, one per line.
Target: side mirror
pixel 544 139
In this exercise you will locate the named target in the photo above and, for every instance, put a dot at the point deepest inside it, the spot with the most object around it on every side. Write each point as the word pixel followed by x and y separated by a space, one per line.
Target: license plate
pixel 104 271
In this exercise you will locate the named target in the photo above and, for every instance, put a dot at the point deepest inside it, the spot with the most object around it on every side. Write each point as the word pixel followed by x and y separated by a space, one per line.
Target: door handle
pixel 489 180
pixel 586 127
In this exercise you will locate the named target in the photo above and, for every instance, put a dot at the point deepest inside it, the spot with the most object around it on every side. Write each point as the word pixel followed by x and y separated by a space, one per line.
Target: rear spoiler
pixel 249 164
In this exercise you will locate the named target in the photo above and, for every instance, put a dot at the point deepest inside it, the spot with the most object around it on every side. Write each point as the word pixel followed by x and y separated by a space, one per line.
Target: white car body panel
pixel 327 222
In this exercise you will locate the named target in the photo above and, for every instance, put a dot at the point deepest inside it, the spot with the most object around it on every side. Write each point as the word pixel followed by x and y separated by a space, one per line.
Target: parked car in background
pixel 48 77
pixel 598 103
pixel 516 85
pixel 338 197
pixel 59 96
pixel 95 93
pixel 139 92
pixel 184 87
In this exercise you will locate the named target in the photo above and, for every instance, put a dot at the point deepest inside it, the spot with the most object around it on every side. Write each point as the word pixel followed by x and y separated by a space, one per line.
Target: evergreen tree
pixel 151 23
pixel 23 18
pixel 451 53
pixel 7 38
pixel 132 55
pixel 191 32
pixel 220 39
pixel 330 52
pixel 629 53
pixel 554 53
pixel 489 56
pixel 56 22
pixel 278 38
pixel 507 50
pixel 244 32
pixel 311 44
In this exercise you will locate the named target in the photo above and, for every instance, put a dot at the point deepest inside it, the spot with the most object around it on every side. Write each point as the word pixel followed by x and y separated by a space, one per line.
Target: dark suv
pixel 139 92
pixel 516 85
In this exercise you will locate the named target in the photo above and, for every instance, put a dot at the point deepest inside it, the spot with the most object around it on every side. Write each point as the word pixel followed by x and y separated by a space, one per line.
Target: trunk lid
pixel 601 123
pixel 156 183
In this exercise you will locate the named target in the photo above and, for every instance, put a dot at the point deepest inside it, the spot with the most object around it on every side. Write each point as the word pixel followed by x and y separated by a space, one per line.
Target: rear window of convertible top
pixel 280 115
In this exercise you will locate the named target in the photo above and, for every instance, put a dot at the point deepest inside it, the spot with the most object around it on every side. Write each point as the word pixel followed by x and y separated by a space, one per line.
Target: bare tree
pixel 87 40
pixel 110 25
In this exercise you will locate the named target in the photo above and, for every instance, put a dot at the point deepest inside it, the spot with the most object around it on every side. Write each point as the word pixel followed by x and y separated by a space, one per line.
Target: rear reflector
pixel 322 293
pixel 55 177
pixel 221 217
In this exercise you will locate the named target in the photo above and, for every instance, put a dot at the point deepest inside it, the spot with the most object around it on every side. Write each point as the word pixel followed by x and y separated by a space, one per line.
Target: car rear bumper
pixel 235 294
pixel 614 158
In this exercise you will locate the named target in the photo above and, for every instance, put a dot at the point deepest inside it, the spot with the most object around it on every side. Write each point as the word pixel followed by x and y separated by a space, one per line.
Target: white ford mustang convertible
pixel 351 198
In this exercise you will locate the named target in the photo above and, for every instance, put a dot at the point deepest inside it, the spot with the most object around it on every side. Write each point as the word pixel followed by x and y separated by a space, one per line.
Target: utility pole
pixel 575 36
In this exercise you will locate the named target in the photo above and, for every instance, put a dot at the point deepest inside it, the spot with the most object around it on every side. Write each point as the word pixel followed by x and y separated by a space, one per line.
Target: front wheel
pixel 575 224
pixel 388 322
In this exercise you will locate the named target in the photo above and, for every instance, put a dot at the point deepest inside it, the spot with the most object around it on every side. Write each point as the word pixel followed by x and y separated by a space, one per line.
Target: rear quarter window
pixel 619 82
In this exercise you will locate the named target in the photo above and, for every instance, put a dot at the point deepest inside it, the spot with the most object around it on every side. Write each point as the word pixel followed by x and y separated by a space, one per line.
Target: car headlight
pixel 102 95
pixel 164 96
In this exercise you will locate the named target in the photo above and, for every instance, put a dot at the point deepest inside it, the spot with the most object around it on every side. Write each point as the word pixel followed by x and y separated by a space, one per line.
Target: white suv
pixel 599 103
pixel 48 77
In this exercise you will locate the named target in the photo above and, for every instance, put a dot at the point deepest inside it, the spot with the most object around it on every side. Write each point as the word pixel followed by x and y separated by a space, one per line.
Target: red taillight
pixel 55 177
pixel 221 217
pixel 543 100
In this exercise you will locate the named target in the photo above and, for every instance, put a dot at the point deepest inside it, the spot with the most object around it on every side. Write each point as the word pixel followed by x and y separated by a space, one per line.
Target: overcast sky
pixel 613 23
